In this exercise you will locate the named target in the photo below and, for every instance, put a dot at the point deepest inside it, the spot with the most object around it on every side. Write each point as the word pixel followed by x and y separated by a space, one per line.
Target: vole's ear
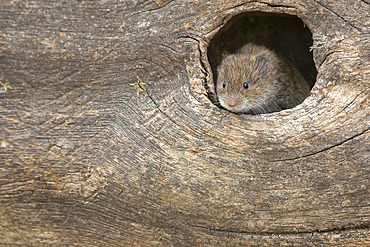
pixel 265 60
pixel 262 59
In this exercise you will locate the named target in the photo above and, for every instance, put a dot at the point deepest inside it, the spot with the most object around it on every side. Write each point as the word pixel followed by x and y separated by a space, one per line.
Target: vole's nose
pixel 233 100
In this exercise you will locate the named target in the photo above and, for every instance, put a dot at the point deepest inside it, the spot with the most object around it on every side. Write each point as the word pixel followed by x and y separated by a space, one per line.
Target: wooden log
pixel 108 136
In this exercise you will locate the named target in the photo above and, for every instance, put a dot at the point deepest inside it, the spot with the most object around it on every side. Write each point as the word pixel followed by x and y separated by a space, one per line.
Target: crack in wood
pixel 201 55
pixel 326 57
pixel 268 4
pixel 203 66
pixel 160 110
pixel 218 27
pixel 159 6
pixel 336 14
pixel 350 103
pixel 323 150
pixel 268 233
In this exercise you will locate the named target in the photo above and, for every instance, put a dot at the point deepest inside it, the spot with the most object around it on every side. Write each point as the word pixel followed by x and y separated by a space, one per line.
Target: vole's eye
pixel 245 85
pixel 224 84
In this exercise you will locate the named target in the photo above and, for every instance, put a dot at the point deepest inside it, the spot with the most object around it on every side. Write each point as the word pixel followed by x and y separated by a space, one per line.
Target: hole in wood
pixel 261 63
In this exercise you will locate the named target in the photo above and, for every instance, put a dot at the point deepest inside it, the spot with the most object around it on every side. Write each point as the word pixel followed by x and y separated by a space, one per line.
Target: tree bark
pixel 108 137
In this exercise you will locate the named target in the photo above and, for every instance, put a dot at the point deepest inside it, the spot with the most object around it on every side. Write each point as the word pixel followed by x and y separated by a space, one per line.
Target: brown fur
pixel 273 84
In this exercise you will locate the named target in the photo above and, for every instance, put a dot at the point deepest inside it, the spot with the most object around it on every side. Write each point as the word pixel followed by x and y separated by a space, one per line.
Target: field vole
pixel 255 80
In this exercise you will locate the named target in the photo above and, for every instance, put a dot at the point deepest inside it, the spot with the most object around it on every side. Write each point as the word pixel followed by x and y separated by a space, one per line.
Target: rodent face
pixel 248 81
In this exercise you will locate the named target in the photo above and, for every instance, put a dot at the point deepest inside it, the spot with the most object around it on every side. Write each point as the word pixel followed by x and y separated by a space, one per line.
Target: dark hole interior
pixel 287 35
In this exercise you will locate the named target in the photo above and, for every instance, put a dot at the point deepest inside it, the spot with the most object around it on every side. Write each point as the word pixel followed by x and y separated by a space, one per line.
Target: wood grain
pixel 86 159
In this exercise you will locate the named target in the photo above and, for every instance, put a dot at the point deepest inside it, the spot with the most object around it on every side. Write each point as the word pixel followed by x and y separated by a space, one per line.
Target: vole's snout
pixel 233 100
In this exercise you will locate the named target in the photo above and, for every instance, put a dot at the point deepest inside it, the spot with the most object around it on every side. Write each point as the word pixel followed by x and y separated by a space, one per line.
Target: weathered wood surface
pixel 88 159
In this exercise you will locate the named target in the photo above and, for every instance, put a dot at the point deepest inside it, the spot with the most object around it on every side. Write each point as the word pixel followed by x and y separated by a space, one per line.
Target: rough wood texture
pixel 88 159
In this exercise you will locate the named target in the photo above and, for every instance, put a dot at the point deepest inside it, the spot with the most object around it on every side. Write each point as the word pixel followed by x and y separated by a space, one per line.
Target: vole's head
pixel 248 80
